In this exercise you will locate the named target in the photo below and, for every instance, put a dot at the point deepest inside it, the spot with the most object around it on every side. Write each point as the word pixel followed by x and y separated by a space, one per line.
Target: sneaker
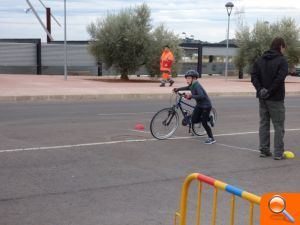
pixel 171 83
pixel 281 157
pixel 212 120
pixel 162 85
pixel 210 141
pixel 265 154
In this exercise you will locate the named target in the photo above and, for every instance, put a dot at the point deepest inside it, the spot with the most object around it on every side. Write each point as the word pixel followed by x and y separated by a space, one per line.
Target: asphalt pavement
pixel 83 163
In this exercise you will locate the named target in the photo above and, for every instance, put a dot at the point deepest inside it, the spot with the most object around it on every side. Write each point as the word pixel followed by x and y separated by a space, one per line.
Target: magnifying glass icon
pixel 277 205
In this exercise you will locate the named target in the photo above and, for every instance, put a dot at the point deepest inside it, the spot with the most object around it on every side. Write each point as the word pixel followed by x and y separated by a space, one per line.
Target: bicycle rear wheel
pixel 198 129
pixel 164 123
pixel 213 115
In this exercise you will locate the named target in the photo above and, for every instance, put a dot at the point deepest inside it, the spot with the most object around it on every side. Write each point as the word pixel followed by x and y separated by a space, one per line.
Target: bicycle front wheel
pixel 164 123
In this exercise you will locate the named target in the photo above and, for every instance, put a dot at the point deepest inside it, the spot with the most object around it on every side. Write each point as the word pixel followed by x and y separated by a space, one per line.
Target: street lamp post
pixel 65 41
pixel 229 6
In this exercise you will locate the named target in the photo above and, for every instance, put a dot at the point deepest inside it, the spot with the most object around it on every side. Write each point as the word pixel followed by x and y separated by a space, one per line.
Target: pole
pixel 200 55
pixel 227 44
pixel 39 57
pixel 48 19
pixel 50 13
pixel 65 40
pixel 39 19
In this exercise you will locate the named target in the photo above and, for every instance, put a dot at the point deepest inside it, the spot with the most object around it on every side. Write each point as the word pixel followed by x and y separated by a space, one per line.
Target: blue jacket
pixel 199 94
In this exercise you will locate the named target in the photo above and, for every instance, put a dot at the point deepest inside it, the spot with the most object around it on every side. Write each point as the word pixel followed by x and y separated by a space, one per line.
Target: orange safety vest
pixel 166 61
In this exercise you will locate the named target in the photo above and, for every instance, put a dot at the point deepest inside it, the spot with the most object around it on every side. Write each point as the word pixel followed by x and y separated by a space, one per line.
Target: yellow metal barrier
pixel 218 185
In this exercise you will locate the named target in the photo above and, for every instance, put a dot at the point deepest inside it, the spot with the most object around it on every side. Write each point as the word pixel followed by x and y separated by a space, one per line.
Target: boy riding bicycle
pixel 203 103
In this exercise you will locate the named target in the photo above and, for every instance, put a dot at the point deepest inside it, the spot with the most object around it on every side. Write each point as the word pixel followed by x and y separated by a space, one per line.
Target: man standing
pixel 268 75
pixel 166 61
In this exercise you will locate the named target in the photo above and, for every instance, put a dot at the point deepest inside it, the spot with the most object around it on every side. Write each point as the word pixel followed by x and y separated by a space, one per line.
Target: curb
pixel 117 97
pixel 87 97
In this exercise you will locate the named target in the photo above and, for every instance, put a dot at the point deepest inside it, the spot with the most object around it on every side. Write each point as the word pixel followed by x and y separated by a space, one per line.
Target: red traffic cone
pixel 139 126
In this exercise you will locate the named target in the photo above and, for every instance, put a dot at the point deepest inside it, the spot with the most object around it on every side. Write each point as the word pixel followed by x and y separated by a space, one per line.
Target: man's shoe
pixel 265 154
pixel 210 141
pixel 162 85
pixel 171 83
pixel 281 157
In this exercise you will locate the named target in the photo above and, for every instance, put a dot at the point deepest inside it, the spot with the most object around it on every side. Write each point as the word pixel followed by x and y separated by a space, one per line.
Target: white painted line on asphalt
pixel 73 146
pixel 217 135
pixel 86 144
pixel 141 131
pixel 293 106
pixel 124 114
pixel 236 147
pixel 238 133
pixel 251 132
pixel 122 141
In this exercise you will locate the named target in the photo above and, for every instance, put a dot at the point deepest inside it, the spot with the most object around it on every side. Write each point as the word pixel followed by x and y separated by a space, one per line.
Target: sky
pixel 204 20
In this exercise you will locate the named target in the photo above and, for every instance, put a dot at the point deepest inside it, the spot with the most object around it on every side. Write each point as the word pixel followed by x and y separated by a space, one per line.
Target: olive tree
pixel 126 41
pixel 121 40
pixel 252 43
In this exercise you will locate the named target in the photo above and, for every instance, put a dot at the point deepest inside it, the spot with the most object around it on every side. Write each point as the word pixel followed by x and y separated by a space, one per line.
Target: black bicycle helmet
pixel 191 73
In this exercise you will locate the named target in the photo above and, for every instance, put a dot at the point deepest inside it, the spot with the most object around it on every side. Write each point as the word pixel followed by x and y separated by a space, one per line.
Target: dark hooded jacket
pixel 269 71
pixel 199 94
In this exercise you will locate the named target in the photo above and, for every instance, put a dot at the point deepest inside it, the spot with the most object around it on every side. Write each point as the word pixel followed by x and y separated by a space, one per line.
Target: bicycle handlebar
pixel 180 94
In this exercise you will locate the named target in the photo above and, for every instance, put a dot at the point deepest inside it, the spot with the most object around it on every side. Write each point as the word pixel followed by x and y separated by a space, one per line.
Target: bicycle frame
pixel 179 104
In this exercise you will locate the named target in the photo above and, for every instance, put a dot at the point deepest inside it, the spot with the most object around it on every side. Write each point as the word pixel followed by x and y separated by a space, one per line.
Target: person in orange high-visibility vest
pixel 166 61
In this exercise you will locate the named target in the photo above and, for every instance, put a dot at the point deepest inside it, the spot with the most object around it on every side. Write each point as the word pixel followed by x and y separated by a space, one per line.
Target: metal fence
pixel 30 56
pixel 18 57
pixel 181 216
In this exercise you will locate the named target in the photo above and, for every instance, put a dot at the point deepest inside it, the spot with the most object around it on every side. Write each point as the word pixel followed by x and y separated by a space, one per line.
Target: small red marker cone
pixel 139 126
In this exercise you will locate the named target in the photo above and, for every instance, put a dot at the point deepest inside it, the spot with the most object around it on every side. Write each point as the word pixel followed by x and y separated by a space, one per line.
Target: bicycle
pixel 167 120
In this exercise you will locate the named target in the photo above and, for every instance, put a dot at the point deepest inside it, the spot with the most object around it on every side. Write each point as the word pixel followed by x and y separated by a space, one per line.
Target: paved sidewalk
pixel 53 87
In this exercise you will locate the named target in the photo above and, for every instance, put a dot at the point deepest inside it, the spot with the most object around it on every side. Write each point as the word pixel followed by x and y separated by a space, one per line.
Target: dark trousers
pixel 275 111
pixel 202 115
